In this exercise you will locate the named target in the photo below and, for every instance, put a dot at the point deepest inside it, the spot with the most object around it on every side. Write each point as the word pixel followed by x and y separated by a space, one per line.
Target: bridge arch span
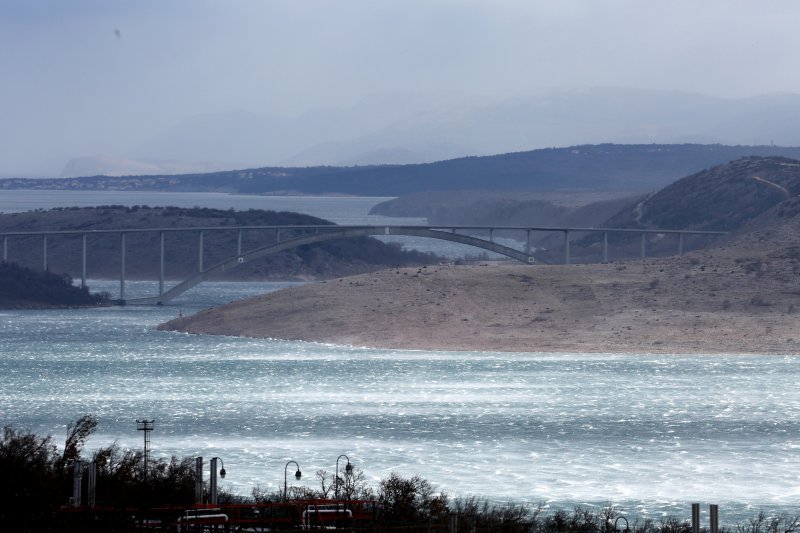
pixel 327 235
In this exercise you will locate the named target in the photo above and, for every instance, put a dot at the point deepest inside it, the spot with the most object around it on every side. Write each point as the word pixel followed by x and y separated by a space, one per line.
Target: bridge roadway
pixel 324 233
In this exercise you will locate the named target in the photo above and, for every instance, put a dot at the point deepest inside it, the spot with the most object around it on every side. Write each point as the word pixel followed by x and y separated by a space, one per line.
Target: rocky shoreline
pixel 701 303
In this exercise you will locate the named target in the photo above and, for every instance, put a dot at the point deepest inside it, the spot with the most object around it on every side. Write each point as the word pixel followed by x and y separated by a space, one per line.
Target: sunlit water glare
pixel 647 433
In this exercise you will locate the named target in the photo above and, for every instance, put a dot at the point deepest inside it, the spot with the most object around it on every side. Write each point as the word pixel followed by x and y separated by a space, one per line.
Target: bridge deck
pixel 457 234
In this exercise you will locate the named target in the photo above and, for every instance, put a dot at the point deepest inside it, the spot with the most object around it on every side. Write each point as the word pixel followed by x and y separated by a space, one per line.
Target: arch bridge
pixel 309 234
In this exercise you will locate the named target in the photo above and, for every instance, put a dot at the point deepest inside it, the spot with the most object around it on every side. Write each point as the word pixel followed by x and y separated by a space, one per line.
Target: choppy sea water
pixel 649 434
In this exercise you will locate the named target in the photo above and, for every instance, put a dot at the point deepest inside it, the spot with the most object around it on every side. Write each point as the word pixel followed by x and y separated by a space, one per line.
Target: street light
pixel 213 482
pixel 348 469
pixel 297 476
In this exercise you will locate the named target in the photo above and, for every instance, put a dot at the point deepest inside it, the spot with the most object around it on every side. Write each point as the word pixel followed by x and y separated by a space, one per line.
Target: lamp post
pixel 347 469
pixel 297 476
pixel 213 483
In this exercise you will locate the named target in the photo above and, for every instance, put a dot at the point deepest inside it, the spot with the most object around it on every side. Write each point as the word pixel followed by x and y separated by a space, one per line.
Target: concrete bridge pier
pixel 161 264
pixel 200 253
pixel 83 261
pixel 44 252
pixel 528 243
pixel 122 266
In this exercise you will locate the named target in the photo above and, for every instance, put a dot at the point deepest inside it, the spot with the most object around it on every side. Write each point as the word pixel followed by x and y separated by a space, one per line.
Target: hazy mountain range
pixel 413 128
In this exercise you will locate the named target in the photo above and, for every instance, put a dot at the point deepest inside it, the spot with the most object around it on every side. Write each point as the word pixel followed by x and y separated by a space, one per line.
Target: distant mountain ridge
pixel 113 166
pixel 642 167
pixel 409 127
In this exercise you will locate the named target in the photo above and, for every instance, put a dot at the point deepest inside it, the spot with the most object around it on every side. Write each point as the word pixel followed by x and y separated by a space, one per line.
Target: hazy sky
pixel 89 77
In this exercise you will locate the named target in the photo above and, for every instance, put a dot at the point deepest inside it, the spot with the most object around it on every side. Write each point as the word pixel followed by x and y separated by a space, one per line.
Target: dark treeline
pixel 22 287
pixel 38 477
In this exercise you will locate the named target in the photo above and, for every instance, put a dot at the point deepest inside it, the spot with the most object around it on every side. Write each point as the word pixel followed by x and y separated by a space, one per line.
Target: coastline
pixel 674 305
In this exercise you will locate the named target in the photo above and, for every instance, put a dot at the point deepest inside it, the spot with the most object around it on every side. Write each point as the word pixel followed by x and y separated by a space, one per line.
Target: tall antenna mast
pixel 147 427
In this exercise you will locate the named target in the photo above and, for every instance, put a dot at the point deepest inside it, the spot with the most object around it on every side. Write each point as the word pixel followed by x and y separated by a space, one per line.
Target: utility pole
pixel 147 427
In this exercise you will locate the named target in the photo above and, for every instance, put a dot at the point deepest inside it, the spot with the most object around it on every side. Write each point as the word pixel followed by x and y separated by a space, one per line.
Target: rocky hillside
pixel 723 198
pixel 321 260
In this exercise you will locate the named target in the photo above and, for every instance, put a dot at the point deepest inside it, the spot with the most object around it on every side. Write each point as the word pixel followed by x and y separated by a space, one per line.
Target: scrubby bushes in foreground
pixel 38 482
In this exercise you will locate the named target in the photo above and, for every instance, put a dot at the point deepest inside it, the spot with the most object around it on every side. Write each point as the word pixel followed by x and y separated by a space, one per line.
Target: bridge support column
pixel 491 235
pixel 122 266
pixel 239 243
pixel 680 243
pixel 200 254
pixel 277 235
pixel 566 247
pixel 161 265
pixel 83 261
pixel 528 244
pixel 605 247
pixel 5 248
pixel 44 252
pixel 643 241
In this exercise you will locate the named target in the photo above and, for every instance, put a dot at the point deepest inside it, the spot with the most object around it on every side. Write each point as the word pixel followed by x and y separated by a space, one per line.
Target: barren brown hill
pixel 741 297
